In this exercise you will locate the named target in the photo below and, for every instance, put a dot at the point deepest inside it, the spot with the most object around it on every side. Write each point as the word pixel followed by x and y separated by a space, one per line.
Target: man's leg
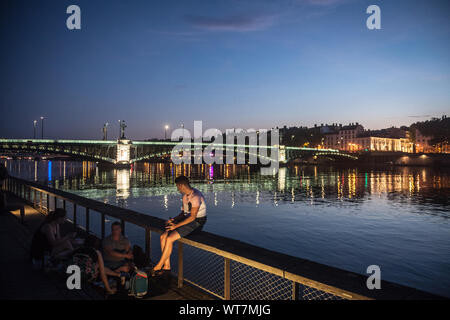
pixel 163 240
pixel 174 236
pixel 103 272
pixel 123 268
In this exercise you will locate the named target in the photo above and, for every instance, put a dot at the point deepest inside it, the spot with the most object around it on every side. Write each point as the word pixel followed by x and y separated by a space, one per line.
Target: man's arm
pixel 111 252
pixel 189 219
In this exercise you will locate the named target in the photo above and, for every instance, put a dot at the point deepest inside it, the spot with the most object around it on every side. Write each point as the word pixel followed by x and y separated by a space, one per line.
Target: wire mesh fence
pixel 202 268
pixel 249 283
pixel 309 293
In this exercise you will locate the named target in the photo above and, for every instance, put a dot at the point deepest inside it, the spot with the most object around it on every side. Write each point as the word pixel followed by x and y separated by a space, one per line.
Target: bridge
pixel 124 152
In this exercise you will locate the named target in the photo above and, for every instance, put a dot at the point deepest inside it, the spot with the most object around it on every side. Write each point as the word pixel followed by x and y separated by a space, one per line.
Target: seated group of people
pixel 113 257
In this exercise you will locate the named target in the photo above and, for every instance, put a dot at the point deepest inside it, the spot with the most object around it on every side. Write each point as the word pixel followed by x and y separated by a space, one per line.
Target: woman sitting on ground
pixel 93 267
pixel 48 238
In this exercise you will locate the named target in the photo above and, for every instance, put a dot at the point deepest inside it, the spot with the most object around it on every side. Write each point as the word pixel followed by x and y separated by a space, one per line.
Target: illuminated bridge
pixel 125 152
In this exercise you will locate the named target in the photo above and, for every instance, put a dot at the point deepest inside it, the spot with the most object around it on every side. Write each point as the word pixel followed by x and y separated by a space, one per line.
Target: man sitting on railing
pixel 192 218
pixel 117 250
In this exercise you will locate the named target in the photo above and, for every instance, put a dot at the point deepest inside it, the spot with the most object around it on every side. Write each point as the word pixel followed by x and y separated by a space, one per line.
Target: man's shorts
pixel 183 231
pixel 113 265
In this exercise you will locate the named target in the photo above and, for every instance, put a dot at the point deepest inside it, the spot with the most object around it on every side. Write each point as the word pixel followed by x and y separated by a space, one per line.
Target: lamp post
pixel 122 126
pixel 105 131
pixel 42 127
pixel 34 128
pixel 165 131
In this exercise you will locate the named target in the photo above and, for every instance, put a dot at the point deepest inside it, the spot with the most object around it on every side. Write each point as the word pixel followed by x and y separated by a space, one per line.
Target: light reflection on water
pixel 349 218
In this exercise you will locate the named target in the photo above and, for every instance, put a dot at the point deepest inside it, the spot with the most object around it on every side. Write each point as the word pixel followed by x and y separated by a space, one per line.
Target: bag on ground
pixel 138 283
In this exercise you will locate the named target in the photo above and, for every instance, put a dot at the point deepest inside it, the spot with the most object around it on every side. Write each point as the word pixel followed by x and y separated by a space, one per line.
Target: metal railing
pixel 223 267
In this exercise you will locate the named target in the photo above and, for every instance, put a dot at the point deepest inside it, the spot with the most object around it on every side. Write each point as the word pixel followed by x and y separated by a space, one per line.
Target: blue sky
pixel 244 64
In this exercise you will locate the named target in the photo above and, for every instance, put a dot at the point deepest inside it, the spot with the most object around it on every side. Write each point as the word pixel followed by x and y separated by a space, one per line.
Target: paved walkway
pixel 19 280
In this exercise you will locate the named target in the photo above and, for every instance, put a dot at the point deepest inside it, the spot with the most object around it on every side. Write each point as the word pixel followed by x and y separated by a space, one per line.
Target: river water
pixel 350 218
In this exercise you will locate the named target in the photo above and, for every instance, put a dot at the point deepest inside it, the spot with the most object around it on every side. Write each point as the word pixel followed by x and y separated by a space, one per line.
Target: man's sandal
pixel 155 273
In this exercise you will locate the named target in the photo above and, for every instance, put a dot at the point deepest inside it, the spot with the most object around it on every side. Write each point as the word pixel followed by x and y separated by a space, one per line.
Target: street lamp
pixel 42 128
pixel 105 131
pixel 165 131
pixel 34 128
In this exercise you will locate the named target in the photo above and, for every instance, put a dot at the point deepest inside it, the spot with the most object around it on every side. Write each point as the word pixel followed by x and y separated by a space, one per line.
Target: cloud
pixel 237 23
pixel 420 116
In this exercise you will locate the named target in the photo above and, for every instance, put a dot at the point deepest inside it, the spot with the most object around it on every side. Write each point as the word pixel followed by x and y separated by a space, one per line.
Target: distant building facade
pixel 353 138
pixel 423 143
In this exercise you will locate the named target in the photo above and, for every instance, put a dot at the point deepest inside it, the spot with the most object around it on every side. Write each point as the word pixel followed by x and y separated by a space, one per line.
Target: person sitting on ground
pixel 192 218
pixel 117 251
pixel 47 239
pixel 94 267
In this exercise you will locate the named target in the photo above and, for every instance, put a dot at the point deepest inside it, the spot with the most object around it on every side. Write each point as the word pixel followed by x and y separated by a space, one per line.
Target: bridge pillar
pixel 123 153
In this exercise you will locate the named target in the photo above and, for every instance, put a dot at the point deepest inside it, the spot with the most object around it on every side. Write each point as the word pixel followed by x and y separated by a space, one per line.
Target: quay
pixel 206 266
pixel 20 281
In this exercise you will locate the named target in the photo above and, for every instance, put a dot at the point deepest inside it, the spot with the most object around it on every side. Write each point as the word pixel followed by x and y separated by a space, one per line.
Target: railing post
pixel 227 279
pixel 75 216
pixel 87 219
pixel 103 225
pixel 122 224
pixel 180 264
pixel 34 198
pixel 64 204
pixel 40 201
pixel 148 244
pixel 48 203
pixel 22 214
pixel 55 201
pixel 295 290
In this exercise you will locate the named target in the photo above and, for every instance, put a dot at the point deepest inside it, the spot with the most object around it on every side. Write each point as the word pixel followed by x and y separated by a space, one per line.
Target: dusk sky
pixel 243 64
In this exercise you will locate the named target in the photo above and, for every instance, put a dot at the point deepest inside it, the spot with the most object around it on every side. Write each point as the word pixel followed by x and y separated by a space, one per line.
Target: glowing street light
pixel 34 128
pixel 105 131
pixel 42 128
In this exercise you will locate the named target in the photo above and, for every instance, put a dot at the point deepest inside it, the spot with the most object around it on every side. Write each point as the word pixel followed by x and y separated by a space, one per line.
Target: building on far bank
pixel 432 136
pixel 343 136
pixel 423 143
pixel 354 138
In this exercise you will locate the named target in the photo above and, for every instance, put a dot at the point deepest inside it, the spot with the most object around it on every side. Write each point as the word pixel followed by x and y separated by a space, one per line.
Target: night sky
pixel 243 64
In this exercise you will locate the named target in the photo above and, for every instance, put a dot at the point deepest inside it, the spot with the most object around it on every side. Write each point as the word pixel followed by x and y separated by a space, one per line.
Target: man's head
pixel 116 229
pixel 183 184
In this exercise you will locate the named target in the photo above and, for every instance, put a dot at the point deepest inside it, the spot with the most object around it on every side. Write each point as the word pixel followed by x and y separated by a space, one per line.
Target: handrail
pixel 337 282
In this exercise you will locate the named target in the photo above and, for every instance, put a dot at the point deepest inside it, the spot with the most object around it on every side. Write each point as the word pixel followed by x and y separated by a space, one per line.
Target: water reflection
pixel 239 183
pixel 122 185
pixel 345 217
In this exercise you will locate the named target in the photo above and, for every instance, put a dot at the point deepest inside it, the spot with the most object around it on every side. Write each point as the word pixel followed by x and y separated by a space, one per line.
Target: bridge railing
pixel 223 267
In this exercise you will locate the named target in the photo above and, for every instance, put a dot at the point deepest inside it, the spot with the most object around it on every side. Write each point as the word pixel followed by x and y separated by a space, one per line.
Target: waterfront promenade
pixel 20 281
pixel 213 265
